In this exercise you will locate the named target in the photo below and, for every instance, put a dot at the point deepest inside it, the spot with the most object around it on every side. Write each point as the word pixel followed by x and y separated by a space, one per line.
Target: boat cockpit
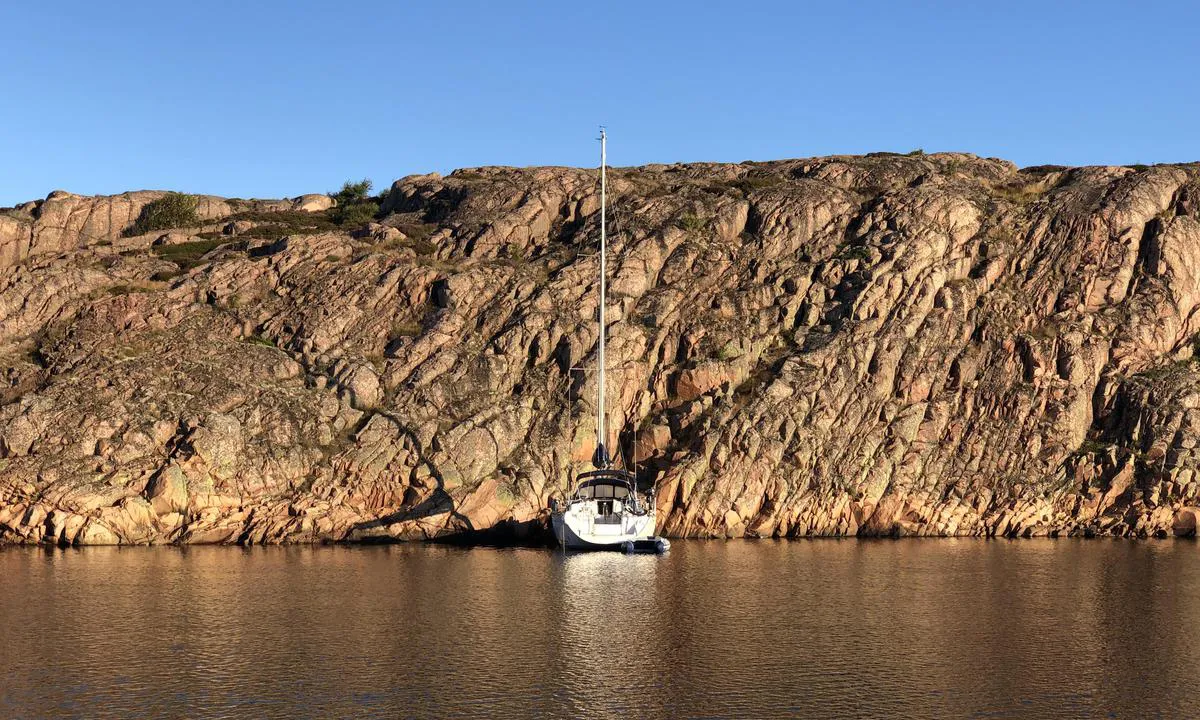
pixel 612 490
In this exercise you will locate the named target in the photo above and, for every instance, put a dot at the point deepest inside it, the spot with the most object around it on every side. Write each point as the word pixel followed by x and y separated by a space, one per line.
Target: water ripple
pixel 742 629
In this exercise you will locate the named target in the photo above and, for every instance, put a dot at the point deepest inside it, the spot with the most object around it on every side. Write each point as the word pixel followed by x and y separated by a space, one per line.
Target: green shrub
pixel 417 231
pixel 854 252
pixel 173 210
pixel 357 214
pixel 646 320
pixel 355 206
pixel 272 225
pixel 691 223
pixel 165 275
pixel 188 254
pixel 756 182
pixel 1044 169
pixel 729 351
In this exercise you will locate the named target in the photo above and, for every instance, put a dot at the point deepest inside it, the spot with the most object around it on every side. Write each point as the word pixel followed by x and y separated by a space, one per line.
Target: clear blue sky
pixel 259 99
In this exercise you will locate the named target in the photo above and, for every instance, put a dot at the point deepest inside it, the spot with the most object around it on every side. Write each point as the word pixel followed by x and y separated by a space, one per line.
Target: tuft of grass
pixel 468 175
pixel 173 210
pixel 690 223
pixel 1019 193
pixel 406 329
pixel 260 340
pixel 507 493
pixel 417 231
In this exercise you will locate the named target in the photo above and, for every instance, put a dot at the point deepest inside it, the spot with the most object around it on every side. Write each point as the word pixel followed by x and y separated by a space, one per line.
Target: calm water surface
pixel 920 629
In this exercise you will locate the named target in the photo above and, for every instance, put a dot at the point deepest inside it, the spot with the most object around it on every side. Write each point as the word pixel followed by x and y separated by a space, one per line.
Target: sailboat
pixel 605 510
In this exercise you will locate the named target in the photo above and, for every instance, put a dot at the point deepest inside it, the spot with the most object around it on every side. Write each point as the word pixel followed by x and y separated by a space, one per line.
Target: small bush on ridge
pixel 173 210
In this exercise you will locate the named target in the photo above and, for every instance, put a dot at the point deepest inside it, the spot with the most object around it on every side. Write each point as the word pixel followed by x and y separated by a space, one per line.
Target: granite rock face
pixel 881 345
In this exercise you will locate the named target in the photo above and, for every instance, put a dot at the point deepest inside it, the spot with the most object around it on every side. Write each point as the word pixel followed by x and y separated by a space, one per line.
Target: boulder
pixel 95 533
pixel 651 442
pixel 705 377
pixel 168 491
pixel 16 235
pixel 219 443
pixel 18 437
pixel 379 233
pixel 1184 524
pixel 363 385
pixel 313 203
pixel 237 227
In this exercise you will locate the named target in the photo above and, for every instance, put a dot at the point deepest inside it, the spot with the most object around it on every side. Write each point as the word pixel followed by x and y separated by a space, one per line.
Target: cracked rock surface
pixel 880 345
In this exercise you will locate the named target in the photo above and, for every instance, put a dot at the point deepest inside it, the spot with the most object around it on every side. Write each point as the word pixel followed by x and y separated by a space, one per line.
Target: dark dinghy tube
pixel 646 546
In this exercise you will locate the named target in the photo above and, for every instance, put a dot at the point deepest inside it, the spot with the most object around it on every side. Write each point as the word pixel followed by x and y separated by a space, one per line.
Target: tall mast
pixel 601 458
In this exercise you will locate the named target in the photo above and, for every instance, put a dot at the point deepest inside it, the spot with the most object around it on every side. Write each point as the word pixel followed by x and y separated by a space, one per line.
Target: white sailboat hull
pixel 576 531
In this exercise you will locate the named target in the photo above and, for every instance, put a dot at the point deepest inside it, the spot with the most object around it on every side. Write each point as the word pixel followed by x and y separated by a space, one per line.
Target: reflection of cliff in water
pixel 857 629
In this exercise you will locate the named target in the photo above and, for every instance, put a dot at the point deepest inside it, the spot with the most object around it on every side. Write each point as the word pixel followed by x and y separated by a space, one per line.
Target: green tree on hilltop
pixel 355 206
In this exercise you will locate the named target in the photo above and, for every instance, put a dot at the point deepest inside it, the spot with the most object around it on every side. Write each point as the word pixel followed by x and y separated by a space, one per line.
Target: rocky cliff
pixel 918 345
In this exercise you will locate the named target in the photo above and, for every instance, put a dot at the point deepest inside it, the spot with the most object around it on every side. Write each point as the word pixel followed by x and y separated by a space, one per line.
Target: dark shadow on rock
pixel 506 533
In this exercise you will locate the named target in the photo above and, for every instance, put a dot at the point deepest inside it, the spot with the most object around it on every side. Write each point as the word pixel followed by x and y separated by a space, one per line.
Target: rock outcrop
pixel 881 345
pixel 65 222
